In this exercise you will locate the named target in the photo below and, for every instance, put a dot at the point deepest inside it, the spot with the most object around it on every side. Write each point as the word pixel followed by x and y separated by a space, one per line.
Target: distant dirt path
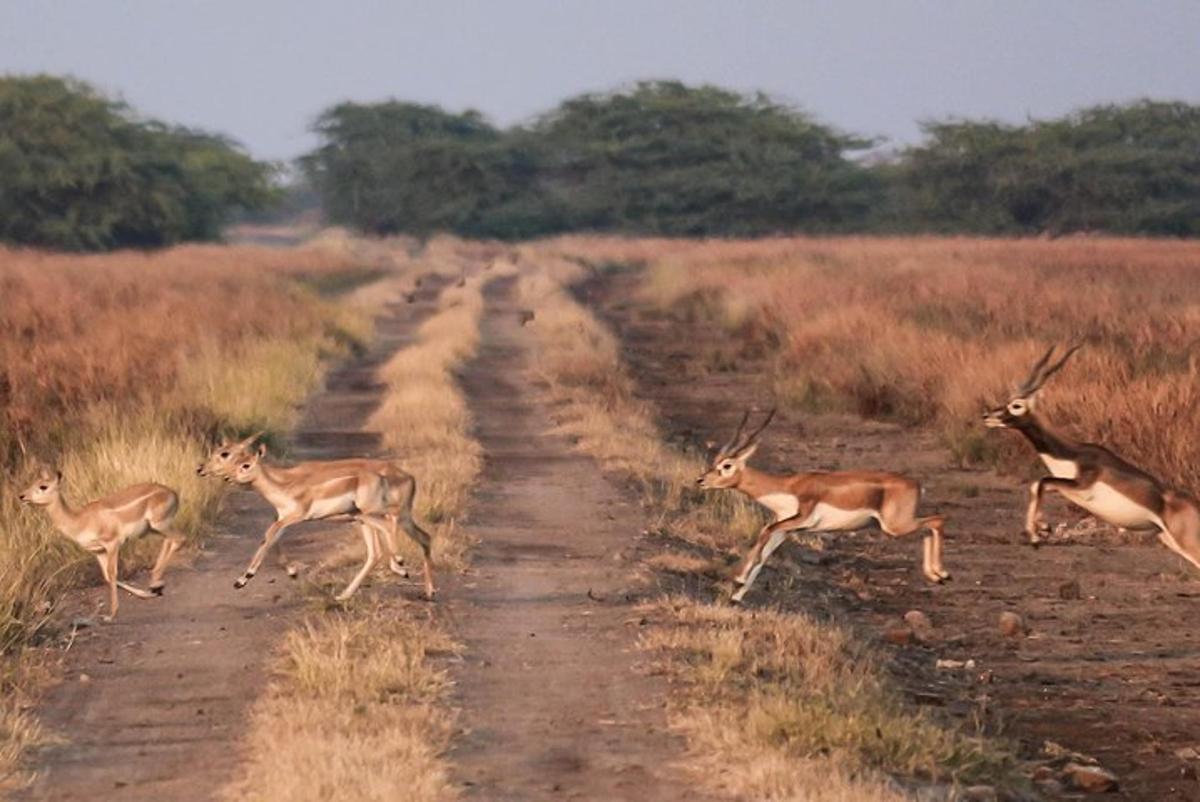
pixel 171 681
pixel 1110 668
pixel 555 703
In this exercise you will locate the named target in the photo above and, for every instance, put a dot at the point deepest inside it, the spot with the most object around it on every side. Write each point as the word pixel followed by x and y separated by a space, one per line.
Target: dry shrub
pixel 424 417
pixel 787 707
pixel 354 714
pixel 357 711
pixel 932 330
pixel 804 706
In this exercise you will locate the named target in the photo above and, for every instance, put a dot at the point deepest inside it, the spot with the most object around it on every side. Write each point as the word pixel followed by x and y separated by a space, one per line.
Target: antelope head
pixel 725 469
pixel 44 490
pixel 249 465
pixel 224 457
pixel 1018 410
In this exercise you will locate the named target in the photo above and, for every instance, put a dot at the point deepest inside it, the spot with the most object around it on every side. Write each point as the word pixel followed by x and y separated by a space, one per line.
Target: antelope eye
pixel 43 487
pixel 245 466
pixel 224 455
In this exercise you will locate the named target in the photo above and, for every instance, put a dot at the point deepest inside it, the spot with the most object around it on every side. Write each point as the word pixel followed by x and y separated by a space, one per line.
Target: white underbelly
pixel 324 508
pixel 1117 509
pixel 825 516
pixel 1062 468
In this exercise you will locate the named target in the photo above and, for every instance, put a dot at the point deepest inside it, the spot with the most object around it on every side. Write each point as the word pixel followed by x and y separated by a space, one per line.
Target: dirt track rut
pixel 169 684
pixel 555 702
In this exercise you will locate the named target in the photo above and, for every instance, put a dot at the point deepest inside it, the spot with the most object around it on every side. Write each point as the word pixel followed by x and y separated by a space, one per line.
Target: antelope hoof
pixel 931 576
pixel 108 619
pixel 944 574
pixel 343 596
pixel 241 581
pixel 157 590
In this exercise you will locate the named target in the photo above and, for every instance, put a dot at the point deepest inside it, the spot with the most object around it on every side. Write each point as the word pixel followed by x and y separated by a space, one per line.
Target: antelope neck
pixel 755 483
pixel 1042 439
pixel 61 514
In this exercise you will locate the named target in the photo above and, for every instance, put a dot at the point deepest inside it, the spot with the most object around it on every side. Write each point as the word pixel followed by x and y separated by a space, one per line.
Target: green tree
pixel 79 171
pixel 403 167
pixel 1131 169
pixel 666 158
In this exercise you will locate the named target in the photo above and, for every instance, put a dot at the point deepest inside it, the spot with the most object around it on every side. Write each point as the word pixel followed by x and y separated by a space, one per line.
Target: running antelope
pixel 1093 477
pixel 376 494
pixel 103 525
pixel 820 502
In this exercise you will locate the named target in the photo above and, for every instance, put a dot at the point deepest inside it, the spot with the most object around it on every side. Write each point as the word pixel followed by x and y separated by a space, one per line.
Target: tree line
pixel 665 158
pixel 80 171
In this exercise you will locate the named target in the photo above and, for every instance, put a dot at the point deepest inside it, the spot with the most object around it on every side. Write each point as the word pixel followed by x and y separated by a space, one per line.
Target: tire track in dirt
pixel 555 703
pixel 169 684
pixel 1109 668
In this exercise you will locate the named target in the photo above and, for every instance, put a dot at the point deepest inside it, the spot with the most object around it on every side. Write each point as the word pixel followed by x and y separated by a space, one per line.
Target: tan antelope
pixel 101 526
pixel 375 493
pixel 1094 478
pixel 820 502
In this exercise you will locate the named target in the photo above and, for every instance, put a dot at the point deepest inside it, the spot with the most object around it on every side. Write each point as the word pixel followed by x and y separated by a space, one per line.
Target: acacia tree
pixel 403 167
pixel 1122 169
pixel 666 158
pixel 79 171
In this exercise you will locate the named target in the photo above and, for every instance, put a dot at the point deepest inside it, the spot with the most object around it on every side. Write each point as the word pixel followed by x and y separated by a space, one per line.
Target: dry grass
pixel 117 368
pixel 782 706
pixel 932 330
pixel 357 710
pixel 353 714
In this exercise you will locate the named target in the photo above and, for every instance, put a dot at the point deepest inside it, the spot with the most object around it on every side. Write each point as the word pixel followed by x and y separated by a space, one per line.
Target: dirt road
pixel 555 703
pixel 152 706
pixel 1110 666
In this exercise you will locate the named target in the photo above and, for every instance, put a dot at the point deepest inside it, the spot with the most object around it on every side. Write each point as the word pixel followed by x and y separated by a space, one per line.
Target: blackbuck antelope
pixel 101 526
pixel 374 493
pixel 820 502
pixel 1092 477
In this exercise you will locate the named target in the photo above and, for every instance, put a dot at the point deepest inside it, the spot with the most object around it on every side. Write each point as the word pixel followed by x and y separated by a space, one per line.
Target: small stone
pixel 82 623
pixel 1011 625
pixel 921 626
pixel 1188 753
pixel 1092 779
pixel 979 793
pixel 85 678
pixel 1070 591
pixel 899 635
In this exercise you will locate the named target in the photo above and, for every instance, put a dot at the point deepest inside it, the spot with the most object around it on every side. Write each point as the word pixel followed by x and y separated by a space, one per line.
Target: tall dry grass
pixel 358 710
pixel 786 707
pixel 117 368
pixel 931 330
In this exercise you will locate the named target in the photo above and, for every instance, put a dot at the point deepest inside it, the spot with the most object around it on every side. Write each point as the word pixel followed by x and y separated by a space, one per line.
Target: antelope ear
pixel 262 450
pixel 747 452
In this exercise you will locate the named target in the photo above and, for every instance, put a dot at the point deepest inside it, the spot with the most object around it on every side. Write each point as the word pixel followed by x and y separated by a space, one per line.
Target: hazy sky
pixel 260 70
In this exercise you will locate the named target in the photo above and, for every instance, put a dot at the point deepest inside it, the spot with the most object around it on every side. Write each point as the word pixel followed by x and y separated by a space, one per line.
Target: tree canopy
pixel 1132 169
pixel 79 171
pixel 659 157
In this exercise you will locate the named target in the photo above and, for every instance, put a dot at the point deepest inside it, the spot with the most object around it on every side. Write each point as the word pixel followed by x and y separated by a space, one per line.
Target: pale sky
pixel 260 70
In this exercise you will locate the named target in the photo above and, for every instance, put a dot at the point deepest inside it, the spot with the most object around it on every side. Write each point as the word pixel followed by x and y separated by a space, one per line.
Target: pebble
pixel 1092 779
pixel 1011 625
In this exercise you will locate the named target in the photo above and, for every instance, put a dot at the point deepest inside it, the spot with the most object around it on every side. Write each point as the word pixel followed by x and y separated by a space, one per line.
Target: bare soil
pixel 555 704
pixel 1111 670
pixel 151 706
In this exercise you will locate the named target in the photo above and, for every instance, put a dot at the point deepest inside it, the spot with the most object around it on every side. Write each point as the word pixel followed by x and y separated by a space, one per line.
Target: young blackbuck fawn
pixel 101 526
pixel 1093 477
pixel 820 502
pixel 375 493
